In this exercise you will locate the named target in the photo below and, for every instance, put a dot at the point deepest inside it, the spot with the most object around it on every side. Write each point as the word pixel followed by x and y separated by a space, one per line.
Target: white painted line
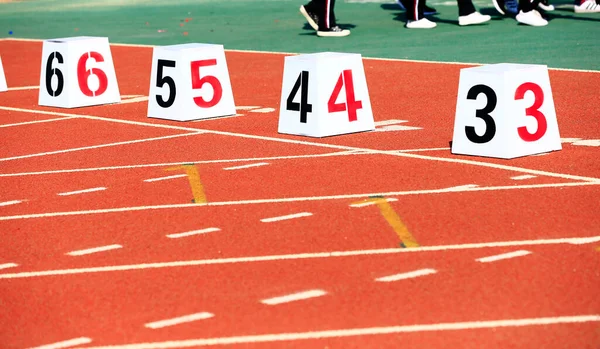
pixel 94 250
pixel 263 110
pixel 296 199
pixel 66 344
pixel 409 275
pixel 503 256
pixel 369 203
pixel 340 333
pixel 195 232
pixel 8 265
pixel 246 107
pixel 218 118
pixel 298 256
pixel 294 297
pixel 21 88
pixel 90 190
pixel 164 178
pixel 246 166
pixel 38 121
pixel 134 100
pixel 8 203
pixel 520 178
pixel 179 320
pixel 281 218
pixel 462 187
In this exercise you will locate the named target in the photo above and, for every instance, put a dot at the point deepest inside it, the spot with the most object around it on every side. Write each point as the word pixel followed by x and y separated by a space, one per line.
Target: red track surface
pixel 38 161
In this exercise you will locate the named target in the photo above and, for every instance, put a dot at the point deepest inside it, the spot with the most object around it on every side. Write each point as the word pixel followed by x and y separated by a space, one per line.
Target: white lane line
pixel 100 146
pixel 294 297
pixel 134 100
pixel 263 110
pixel 298 256
pixel 195 232
pixel 368 203
pixel 409 275
pixel 520 178
pixel 66 344
pixel 8 265
pixel 352 332
pixel 503 256
pixel 8 203
pixel 281 218
pixel 296 199
pixel 179 320
pixel 246 166
pixel 164 178
pixel 21 88
pixel 94 250
pixel 83 191
pixel 39 121
pixel 462 187
pixel 246 107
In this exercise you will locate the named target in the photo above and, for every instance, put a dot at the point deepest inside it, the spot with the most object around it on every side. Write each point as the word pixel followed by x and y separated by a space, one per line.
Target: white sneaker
pixel 546 6
pixel 531 18
pixel 588 6
pixel 473 18
pixel 422 23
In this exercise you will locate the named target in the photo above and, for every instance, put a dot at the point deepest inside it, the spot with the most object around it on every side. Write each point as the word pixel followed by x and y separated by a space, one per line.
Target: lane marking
pixel 194 232
pixel 164 178
pixel 246 166
pixel 409 275
pixel 296 199
pixel 133 100
pixel 246 107
pixel 8 203
pixel 83 191
pixel 352 332
pixel 370 202
pixel 99 146
pixel 294 297
pixel 298 256
pixel 394 125
pixel 8 265
pixel 263 110
pixel 22 88
pixel 179 320
pixel 39 121
pixel 281 218
pixel 194 179
pixel 503 256
pixel 462 187
pixel 66 344
pixel 520 178
pixel 94 250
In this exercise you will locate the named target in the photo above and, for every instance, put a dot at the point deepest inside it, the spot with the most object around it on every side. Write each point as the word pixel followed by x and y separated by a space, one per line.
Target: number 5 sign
pixel 324 94
pixel 77 72
pixel 505 111
pixel 189 82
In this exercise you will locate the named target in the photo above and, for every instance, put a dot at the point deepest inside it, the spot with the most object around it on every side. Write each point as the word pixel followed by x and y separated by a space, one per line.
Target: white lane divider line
pixel 520 178
pixel 409 275
pixel 66 344
pixel 368 203
pixel 8 265
pixel 94 250
pixel 91 190
pixel 179 320
pixel 294 297
pixel 246 166
pixel 164 178
pixel 508 255
pixel 263 110
pixel 8 203
pixel 461 187
pixel 282 218
pixel 194 232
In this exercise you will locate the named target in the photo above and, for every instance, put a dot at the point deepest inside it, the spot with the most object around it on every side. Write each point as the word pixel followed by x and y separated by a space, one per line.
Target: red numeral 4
pixel 83 74
pixel 351 105
pixel 198 82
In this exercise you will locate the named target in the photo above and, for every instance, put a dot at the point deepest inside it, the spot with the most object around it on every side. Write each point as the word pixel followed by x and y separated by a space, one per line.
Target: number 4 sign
pixel 324 94
pixel 77 72
pixel 190 82
pixel 505 111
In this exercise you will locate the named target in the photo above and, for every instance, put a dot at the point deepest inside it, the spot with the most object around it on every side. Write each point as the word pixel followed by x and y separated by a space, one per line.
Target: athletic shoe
pixel 500 6
pixel 311 17
pixel 531 18
pixel 427 11
pixel 545 5
pixel 588 6
pixel 473 18
pixel 333 32
pixel 422 23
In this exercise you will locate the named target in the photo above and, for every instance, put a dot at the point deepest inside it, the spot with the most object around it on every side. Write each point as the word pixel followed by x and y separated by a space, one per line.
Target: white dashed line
pixel 519 178
pixel 8 203
pixel 409 275
pixel 66 344
pixel 8 265
pixel 190 233
pixel 246 166
pixel 503 256
pixel 164 178
pixel 368 203
pixel 94 250
pixel 294 297
pixel 179 320
pixel 91 190
pixel 281 218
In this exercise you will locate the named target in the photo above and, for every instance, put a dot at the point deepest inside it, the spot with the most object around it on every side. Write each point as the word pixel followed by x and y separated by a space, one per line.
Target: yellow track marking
pixel 194 177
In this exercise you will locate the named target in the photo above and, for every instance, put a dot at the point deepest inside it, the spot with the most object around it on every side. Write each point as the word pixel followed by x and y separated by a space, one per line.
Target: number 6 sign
pixel 505 111
pixel 189 82
pixel 77 72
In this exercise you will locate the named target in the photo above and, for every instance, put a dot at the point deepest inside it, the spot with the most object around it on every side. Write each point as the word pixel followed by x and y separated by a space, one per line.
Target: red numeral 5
pixel 198 82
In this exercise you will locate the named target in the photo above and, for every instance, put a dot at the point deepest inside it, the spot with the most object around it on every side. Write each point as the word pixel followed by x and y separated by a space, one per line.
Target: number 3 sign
pixel 77 72
pixel 189 82
pixel 505 111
